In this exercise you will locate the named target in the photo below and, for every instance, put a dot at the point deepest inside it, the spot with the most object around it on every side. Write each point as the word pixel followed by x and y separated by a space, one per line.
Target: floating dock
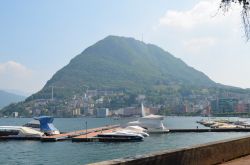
pixel 210 130
pixel 19 138
pixel 70 135
pixel 89 135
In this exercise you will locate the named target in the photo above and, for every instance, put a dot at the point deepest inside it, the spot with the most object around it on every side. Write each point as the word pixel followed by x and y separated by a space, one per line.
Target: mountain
pixel 123 63
pixel 6 98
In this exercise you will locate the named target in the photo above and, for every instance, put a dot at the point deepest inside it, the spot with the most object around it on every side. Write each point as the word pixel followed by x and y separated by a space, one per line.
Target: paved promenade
pixel 241 161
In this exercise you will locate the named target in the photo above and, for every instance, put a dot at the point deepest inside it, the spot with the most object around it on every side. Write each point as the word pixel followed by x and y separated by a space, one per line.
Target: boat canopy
pixel 135 128
pixel 153 117
pixel 46 123
pixel 149 122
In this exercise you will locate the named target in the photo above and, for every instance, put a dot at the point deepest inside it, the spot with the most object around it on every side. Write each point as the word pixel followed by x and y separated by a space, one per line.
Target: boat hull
pixel 118 139
pixel 8 133
pixel 18 138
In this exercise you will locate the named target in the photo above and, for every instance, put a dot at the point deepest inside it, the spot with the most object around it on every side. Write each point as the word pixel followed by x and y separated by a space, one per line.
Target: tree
pixel 245 13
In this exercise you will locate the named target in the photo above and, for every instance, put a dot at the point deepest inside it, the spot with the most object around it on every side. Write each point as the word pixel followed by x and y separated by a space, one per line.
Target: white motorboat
pixel 144 134
pixel 43 124
pixel 34 124
pixel 228 126
pixel 153 124
pixel 119 136
pixel 19 132
pixel 137 129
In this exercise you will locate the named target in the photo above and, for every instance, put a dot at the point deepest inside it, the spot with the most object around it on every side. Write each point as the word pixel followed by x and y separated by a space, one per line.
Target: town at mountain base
pixel 118 73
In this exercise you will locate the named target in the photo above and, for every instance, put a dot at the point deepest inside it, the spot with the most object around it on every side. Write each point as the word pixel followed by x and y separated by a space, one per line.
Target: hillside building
pixel 131 111
pixel 15 114
pixel 225 105
pixel 76 112
pixel 102 112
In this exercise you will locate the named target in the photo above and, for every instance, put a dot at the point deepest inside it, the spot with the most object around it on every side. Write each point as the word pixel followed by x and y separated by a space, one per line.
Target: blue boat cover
pixel 46 123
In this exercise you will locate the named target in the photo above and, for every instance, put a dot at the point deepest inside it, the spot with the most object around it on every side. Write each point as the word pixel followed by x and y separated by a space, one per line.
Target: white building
pixel 76 112
pixel 102 112
pixel 15 114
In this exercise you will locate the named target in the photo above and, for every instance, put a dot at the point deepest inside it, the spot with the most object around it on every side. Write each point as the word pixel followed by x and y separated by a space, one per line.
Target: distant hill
pixel 17 92
pixel 6 98
pixel 123 63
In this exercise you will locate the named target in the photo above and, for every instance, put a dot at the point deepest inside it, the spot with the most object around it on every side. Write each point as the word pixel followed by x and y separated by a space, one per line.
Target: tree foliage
pixel 245 13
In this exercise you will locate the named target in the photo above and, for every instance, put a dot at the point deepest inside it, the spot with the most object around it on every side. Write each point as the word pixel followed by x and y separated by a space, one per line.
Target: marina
pixel 97 134
pixel 29 151
pixel 125 82
pixel 91 135
pixel 224 123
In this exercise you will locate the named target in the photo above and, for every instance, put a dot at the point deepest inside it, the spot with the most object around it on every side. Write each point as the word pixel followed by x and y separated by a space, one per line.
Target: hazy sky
pixel 37 38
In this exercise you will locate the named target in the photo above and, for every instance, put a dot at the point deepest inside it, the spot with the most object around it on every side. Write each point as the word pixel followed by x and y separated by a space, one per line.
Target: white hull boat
pixel 43 124
pixel 19 132
pixel 119 137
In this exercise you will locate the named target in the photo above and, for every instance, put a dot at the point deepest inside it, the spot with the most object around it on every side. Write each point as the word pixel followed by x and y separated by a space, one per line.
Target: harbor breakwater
pixel 205 154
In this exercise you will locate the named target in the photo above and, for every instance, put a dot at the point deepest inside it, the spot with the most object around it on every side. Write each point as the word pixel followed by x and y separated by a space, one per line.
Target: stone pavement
pixel 240 161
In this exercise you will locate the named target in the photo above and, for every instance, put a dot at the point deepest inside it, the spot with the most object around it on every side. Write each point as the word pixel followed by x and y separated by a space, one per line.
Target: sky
pixel 38 38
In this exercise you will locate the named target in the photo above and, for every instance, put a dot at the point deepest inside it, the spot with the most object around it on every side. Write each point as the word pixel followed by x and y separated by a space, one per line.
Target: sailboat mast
pixel 142 110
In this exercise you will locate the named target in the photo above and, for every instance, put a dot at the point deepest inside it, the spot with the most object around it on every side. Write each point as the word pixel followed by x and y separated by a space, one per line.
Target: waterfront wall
pixel 205 154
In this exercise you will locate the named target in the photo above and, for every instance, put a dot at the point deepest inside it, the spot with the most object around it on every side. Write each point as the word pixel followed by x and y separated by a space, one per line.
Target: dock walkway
pixel 70 135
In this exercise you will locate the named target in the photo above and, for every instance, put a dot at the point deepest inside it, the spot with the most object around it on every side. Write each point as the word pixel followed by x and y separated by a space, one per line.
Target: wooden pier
pixel 70 135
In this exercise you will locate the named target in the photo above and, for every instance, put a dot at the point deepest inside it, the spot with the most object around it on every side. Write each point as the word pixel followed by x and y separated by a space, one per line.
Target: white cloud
pixel 208 40
pixel 196 45
pixel 16 76
pixel 204 12
pixel 14 69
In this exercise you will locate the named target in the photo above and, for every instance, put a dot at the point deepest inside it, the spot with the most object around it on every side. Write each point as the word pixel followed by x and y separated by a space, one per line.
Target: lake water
pixel 66 152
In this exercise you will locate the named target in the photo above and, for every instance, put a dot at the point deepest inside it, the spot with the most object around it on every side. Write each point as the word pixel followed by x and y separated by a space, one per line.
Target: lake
pixel 66 152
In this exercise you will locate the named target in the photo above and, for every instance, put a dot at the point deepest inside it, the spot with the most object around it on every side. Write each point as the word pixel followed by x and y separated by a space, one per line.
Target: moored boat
pixel 43 124
pixel 119 137
pixel 144 134
pixel 19 132
pixel 153 124
pixel 137 129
